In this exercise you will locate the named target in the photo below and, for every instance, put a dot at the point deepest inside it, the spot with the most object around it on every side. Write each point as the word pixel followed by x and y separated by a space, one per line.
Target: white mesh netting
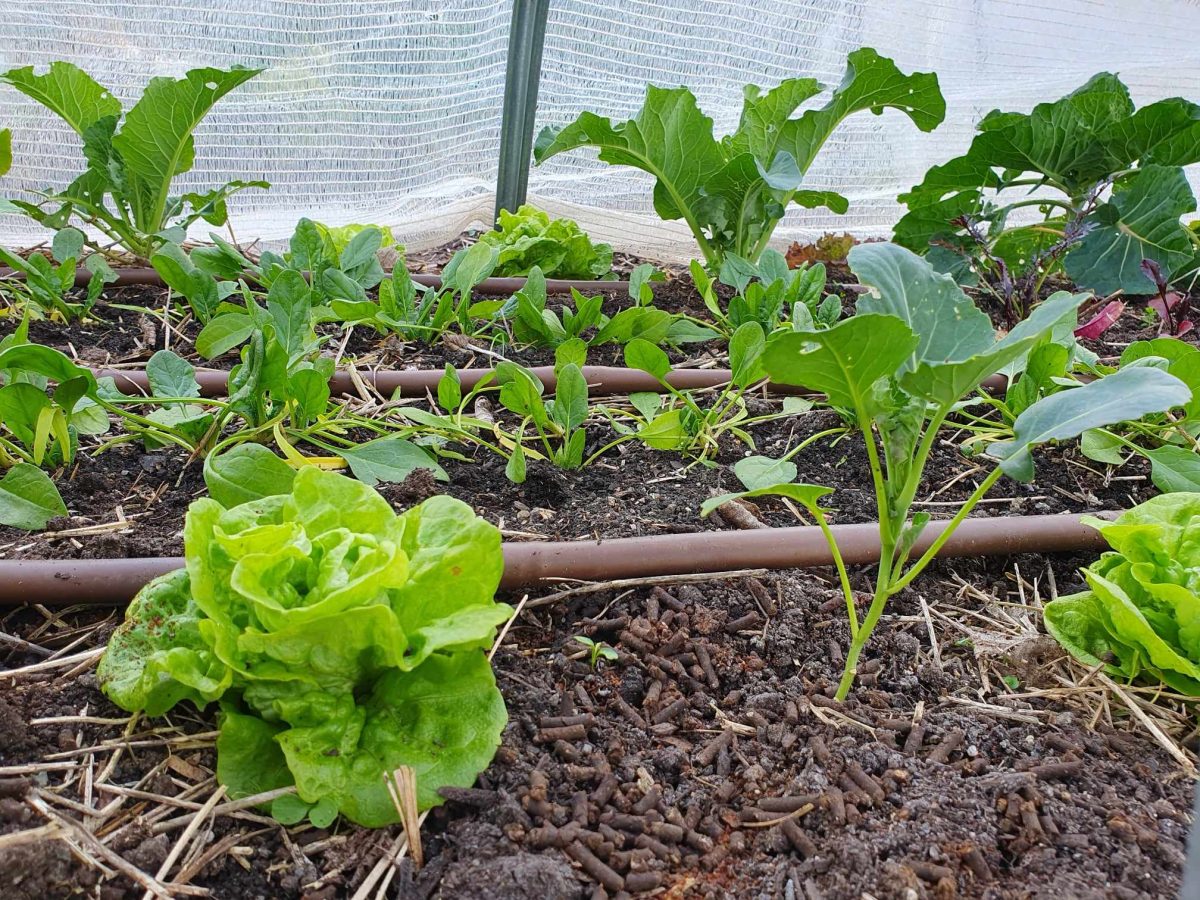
pixel 389 110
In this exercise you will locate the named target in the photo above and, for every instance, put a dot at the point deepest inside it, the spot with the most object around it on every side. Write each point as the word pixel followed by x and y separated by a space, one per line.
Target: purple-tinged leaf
pixel 1095 327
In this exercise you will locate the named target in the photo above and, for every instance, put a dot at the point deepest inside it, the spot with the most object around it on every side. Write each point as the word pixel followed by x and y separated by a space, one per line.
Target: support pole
pixel 525 39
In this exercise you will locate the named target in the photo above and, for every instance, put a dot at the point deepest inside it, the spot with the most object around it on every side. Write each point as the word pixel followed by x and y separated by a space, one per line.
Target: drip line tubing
pixel 532 563
pixel 601 380
pixel 144 275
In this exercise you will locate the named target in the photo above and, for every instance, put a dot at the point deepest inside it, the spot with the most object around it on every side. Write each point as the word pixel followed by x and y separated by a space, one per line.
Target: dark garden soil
pixel 705 762
pixel 140 498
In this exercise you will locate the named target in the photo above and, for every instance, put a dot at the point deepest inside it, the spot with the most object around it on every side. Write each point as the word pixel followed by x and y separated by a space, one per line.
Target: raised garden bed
pixel 705 760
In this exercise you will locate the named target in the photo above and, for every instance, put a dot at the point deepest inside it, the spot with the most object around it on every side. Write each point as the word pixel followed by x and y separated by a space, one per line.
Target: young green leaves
pixel 342 641
pixel 733 192
pixel 124 191
pixel 1112 191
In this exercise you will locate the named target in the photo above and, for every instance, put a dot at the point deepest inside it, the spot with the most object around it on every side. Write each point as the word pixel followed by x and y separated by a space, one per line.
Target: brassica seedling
pixel 916 348
pixel 597 650
pixel 732 192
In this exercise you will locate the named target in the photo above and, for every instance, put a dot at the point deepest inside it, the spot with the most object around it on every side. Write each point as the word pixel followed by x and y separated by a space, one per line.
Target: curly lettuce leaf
pixel 158 658
pixel 529 238
pixel 342 640
pixel 1142 614
pixel 444 719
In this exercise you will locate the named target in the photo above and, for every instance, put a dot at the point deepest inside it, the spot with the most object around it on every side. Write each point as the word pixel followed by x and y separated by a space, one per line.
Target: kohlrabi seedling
pixel 917 347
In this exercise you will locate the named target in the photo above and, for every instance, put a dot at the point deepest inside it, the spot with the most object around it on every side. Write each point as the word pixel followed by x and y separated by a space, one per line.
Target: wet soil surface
pixel 706 761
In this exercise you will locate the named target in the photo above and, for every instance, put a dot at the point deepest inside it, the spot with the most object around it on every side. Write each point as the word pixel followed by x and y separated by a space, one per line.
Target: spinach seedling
pixel 769 293
pixel 676 420
pixel 41 424
pixel 558 421
pixel 917 347
pixel 532 323
pixel 413 312
pixel 46 285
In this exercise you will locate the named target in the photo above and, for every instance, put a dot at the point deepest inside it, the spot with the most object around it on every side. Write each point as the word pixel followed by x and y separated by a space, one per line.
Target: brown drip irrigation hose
pixel 415 382
pixel 144 275
pixel 527 564
pixel 601 380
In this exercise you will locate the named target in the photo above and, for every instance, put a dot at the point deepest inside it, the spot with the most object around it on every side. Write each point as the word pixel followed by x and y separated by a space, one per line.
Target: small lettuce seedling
pixel 732 192
pixel 341 640
pixel 916 348
pixel 1140 617
pixel 596 650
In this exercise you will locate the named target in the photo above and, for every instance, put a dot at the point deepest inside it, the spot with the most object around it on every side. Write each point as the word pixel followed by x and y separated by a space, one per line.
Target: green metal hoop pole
pixel 525 40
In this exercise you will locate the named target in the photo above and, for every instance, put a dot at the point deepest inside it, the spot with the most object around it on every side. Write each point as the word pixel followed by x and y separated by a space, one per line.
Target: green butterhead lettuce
pixel 1141 615
pixel 342 640
pixel 559 247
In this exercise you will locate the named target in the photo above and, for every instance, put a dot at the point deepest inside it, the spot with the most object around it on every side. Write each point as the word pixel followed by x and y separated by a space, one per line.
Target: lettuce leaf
pixel 559 247
pixel 1141 615
pixel 157 658
pixel 341 639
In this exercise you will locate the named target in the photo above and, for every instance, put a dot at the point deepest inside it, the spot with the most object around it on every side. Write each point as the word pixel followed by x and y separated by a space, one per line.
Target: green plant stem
pixel 840 564
pixel 812 438
pixel 887 550
pixel 928 556
pixel 891 523
pixel 9 449
pixel 881 504
pixel 621 440
pixel 1040 201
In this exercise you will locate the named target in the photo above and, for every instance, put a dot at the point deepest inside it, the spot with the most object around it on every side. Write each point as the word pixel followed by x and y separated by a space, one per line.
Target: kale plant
pixel 732 192
pixel 1106 180
pixel 916 348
